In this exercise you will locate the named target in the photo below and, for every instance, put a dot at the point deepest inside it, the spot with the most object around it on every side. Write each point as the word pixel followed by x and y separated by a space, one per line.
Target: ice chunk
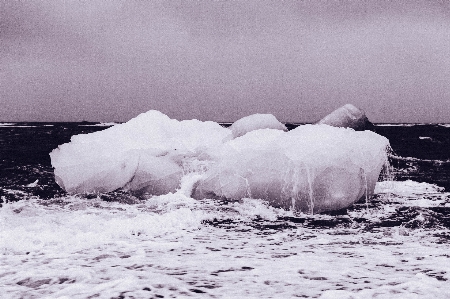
pixel 312 168
pixel 156 175
pixel 347 116
pixel 255 122
pixel 95 173
pixel 146 154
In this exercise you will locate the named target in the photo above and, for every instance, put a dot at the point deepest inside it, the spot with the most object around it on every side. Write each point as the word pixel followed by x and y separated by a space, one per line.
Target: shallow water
pixel 55 245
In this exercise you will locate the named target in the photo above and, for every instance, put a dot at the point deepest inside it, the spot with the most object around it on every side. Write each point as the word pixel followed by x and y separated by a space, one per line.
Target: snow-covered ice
pixel 145 153
pixel 347 116
pixel 255 122
pixel 311 168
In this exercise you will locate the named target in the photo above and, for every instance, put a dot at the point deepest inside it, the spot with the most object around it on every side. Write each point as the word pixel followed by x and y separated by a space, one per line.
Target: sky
pixel 218 60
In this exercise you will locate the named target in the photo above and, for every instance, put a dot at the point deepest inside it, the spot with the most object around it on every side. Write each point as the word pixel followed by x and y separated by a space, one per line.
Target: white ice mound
pixel 312 168
pixel 347 116
pixel 145 154
pixel 255 122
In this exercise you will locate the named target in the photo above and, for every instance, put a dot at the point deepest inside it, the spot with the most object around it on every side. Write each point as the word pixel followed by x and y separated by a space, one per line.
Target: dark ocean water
pixel 421 153
pixel 24 156
pixel 113 245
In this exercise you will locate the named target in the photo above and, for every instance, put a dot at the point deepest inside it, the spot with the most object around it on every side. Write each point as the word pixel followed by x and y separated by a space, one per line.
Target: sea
pixel 396 244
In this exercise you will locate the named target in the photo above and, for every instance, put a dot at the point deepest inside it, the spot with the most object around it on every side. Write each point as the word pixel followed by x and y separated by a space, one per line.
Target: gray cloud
pixel 220 60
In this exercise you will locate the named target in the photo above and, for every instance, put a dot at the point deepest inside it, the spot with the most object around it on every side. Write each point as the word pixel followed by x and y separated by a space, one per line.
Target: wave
pixel 15 125
pixel 175 246
pixel 413 159
pixel 394 125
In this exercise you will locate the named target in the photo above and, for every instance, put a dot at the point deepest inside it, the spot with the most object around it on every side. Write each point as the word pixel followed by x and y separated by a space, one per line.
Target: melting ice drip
pixel 194 171
pixel 312 168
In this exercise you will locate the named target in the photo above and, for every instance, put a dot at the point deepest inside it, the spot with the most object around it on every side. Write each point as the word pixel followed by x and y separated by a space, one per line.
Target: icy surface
pixel 255 122
pixel 178 247
pixel 312 168
pixel 347 116
pixel 144 154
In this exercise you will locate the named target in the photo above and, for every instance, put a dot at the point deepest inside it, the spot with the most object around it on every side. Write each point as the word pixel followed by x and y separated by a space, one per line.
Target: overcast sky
pixel 222 60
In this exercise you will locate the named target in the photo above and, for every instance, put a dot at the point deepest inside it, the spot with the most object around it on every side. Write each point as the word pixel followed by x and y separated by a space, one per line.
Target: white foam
pixel 16 126
pixel 417 159
pixel 78 248
pixel 412 193
pixel 32 185
pixel 75 224
pixel 396 125
pixel 7 124
pixel 407 187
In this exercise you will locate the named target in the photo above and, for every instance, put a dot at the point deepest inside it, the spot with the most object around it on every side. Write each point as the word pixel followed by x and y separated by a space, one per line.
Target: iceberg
pixel 348 116
pixel 312 168
pixel 146 154
pixel 255 122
